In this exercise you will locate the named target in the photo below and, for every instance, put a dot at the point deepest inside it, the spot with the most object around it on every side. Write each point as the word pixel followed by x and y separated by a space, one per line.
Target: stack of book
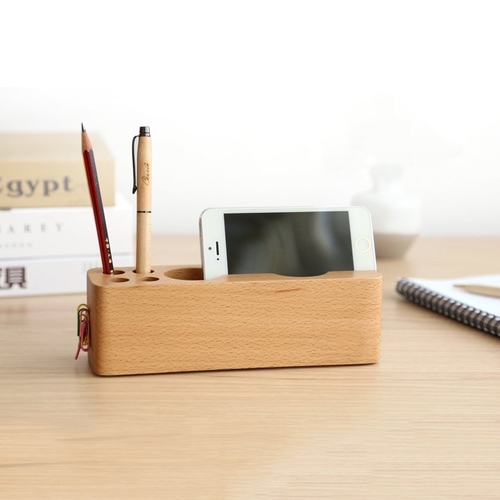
pixel 48 237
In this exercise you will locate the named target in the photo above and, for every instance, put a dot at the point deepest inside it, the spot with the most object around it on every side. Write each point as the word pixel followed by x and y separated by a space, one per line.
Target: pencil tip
pixel 83 128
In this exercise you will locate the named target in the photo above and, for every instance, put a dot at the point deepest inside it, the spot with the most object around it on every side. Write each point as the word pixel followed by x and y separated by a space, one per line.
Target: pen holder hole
pixel 118 280
pixel 185 273
pixel 148 278
pixel 118 271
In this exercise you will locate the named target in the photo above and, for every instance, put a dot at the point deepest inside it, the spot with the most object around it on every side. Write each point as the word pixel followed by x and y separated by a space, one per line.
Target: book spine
pixel 59 232
pixel 47 170
pixel 23 278
pixel 449 307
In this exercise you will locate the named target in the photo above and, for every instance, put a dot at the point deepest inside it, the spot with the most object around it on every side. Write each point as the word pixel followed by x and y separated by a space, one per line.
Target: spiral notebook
pixel 442 296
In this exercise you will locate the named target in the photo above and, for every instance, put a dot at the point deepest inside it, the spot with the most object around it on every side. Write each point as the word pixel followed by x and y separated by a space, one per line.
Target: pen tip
pixel 83 128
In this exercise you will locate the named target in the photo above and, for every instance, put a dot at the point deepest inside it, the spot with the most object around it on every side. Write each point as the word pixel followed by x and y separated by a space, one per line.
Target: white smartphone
pixel 288 241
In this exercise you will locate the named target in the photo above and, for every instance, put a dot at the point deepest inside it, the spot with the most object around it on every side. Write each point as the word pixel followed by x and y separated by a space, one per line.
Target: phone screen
pixel 288 243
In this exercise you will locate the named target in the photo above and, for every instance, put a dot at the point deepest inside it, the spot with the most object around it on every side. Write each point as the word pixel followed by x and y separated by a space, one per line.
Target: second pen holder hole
pixel 119 280
pixel 185 273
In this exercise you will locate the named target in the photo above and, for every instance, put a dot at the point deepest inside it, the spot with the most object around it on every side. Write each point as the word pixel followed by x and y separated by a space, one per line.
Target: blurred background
pixel 270 103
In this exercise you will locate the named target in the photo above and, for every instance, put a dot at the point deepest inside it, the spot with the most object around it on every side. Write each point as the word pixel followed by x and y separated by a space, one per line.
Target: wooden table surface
pixel 422 423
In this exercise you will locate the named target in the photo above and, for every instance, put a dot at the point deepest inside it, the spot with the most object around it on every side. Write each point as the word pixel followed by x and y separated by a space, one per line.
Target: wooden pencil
pixel 488 290
pixel 95 196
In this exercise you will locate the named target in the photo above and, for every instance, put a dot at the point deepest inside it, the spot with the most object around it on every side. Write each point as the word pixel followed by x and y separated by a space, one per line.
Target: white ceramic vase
pixel 396 214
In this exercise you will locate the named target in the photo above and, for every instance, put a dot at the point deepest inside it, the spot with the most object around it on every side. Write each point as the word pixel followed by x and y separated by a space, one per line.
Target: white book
pixel 51 276
pixel 64 231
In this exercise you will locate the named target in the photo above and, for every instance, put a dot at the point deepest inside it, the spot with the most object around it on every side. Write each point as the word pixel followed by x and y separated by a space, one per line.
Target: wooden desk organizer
pixel 174 321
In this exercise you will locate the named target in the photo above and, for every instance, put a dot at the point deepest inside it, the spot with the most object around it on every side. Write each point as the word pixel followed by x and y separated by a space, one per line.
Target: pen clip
pixel 134 182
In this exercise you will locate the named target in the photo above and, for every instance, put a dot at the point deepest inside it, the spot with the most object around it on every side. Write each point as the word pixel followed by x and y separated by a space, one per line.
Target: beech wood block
pixel 171 320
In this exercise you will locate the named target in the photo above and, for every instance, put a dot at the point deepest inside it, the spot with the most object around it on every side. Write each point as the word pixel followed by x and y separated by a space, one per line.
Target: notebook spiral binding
pixel 450 308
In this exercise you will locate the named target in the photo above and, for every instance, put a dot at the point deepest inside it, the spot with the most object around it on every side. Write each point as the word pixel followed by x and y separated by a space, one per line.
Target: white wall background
pixel 272 102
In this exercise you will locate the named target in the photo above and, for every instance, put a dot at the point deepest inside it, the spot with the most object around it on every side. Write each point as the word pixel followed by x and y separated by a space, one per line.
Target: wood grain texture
pixel 422 423
pixel 172 320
